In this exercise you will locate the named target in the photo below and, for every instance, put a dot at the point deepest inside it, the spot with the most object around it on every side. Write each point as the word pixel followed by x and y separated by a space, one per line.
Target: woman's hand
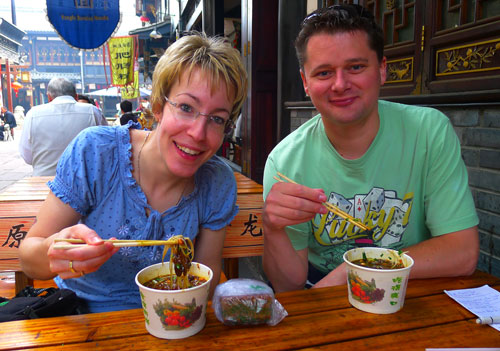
pixel 73 263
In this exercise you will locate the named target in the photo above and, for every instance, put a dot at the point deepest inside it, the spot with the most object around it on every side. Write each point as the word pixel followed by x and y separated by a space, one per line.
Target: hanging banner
pixel 131 91
pixel 121 60
pixel 84 24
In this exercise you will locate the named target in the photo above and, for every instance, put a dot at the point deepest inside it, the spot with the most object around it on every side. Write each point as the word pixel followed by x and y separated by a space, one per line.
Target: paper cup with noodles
pixel 174 314
pixel 377 279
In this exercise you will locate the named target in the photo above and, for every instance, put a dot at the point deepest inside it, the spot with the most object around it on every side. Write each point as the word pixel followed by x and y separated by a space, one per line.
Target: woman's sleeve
pixel 219 195
pixel 82 170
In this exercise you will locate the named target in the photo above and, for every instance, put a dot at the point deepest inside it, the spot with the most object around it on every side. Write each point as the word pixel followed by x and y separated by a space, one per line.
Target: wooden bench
pixel 26 189
pixel 20 203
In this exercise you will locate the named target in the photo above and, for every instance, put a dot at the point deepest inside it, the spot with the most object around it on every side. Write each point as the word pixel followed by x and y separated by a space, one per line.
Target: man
pixel 396 168
pixel 8 121
pixel 126 111
pixel 85 99
pixel 50 127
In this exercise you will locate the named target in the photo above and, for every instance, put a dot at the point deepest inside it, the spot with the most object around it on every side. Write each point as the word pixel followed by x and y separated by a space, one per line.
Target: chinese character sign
pixel 84 24
pixel 251 226
pixel 16 235
pixel 131 91
pixel 121 57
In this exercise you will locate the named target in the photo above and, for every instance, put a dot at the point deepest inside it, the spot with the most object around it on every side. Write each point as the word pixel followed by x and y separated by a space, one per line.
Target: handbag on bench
pixel 31 303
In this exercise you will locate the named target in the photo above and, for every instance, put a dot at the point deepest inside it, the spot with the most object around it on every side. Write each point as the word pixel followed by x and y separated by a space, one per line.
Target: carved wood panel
pixel 438 46
pixel 463 47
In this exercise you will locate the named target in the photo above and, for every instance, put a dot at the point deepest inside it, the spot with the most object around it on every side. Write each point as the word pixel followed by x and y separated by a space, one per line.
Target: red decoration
pixel 16 86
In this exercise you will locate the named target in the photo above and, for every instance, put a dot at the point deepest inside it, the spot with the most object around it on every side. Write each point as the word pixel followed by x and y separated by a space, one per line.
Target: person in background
pixel 85 99
pixel 126 111
pixel 144 105
pixel 49 128
pixel 397 168
pixel 129 183
pixel 88 100
pixel 7 118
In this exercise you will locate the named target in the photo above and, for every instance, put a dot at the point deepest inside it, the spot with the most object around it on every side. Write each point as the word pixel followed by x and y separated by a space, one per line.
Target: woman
pixel 126 183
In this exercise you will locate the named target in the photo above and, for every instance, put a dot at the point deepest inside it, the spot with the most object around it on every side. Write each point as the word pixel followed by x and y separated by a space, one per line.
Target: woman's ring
pixel 71 267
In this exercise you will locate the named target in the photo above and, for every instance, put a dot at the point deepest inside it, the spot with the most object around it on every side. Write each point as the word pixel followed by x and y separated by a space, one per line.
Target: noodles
pixel 394 261
pixel 181 256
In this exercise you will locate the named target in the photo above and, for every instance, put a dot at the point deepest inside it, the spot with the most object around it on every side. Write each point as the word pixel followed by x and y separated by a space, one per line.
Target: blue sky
pixel 30 15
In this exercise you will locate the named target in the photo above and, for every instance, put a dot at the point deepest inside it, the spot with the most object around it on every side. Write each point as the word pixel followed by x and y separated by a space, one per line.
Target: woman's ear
pixel 158 116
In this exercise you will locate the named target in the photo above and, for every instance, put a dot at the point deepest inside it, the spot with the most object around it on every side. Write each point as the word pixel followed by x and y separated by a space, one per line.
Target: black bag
pixel 33 303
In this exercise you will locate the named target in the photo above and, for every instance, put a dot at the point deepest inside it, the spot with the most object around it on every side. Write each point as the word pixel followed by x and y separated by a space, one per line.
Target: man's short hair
pixel 61 87
pixel 339 19
pixel 84 97
pixel 126 106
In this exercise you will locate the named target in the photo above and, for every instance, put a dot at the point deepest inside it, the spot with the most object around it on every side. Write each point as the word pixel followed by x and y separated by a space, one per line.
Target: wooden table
pixel 27 189
pixel 35 188
pixel 320 318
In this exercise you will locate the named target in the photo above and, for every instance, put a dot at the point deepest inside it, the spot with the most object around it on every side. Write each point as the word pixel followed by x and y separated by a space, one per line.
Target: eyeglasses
pixel 342 11
pixel 188 113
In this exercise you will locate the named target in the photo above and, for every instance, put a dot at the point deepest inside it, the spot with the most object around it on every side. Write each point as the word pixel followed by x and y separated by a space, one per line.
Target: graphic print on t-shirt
pixel 380 210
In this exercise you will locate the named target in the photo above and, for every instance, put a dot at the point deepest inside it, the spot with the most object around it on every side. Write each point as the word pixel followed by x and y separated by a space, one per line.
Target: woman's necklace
pixel 139 168
pixel 139 158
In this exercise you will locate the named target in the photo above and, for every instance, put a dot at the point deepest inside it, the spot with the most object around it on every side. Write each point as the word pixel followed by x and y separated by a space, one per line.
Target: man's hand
pixel 336 277
pixel 287 204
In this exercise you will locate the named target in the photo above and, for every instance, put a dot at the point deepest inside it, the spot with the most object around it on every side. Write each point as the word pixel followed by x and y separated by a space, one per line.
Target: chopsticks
pixel 330 207
pixel 78 243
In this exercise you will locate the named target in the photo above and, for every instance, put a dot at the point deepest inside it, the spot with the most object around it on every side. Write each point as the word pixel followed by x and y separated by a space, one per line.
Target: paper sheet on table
pixel 483 301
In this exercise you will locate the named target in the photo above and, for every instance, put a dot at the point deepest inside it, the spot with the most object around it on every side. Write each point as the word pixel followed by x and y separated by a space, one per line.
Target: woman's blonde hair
pixel 213 55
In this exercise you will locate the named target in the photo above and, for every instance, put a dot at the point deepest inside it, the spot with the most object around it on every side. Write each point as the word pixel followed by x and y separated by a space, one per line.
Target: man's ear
pixel 304 82
pixel 383 71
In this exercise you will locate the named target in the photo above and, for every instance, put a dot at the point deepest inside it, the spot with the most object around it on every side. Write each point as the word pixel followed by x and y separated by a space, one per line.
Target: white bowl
pixel 376 290
pixel 174 314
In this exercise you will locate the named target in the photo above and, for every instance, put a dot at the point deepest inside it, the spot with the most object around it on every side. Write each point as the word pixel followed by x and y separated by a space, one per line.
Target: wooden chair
pixel 244 236
pixel 16 218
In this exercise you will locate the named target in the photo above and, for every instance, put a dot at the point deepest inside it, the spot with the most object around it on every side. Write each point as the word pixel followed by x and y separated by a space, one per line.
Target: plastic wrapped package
pixel 246 302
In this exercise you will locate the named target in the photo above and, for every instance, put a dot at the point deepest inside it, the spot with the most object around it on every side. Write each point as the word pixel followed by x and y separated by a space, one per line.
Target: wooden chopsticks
pixel 330 207
pixel 78 243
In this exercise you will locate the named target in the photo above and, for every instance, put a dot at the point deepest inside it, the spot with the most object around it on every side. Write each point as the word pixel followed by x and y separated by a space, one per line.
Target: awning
pixel 164 28
pixel 114 91
pixel 10 41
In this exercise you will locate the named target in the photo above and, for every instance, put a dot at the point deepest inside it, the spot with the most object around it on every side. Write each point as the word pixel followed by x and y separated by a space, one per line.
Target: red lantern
pixel 16 86
pixel 144 18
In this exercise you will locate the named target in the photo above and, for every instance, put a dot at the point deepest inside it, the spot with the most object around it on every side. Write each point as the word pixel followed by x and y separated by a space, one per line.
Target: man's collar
pixel 64 98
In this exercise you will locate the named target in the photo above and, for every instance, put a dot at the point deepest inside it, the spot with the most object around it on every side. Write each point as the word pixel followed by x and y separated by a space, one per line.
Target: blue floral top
pixel 94 176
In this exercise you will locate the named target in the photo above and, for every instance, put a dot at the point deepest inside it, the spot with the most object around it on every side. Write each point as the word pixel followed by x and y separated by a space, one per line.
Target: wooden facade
pixel 437 50
pixel 453 48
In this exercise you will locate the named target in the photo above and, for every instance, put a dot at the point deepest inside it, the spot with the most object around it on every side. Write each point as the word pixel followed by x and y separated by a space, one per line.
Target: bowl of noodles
pixel 174 296
pixel 377 278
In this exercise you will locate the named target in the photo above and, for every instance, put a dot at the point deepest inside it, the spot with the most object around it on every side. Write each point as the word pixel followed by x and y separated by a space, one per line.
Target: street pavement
pixel 12 166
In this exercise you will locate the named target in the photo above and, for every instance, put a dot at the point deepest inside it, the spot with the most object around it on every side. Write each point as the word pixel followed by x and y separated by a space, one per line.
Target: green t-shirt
pixel 411 183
